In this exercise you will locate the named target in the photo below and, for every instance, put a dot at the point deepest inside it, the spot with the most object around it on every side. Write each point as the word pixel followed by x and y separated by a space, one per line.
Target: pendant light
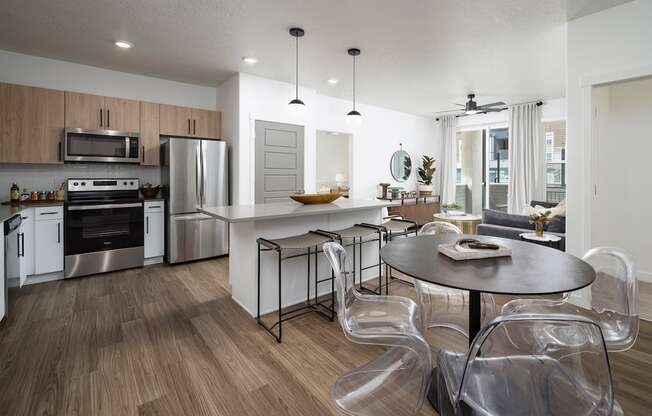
pixel 354 118
pixel 296 105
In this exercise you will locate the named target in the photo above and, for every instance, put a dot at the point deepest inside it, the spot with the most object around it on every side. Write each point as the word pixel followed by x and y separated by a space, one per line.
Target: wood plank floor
pixel 170 341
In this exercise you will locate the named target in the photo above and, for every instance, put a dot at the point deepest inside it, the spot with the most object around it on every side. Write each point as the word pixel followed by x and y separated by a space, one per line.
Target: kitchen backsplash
pixel 49 177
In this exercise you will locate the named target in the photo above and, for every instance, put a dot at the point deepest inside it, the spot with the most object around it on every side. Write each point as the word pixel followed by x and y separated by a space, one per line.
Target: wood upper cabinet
pixel 31 124
pixel 149 133
pixel 122 115
pixel 84 111
pixel 93 112
pixel 206 124
pixel 189 122
pixel 175 120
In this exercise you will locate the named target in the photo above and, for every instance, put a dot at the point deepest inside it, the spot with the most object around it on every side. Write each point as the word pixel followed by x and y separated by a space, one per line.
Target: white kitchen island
pixel 278 220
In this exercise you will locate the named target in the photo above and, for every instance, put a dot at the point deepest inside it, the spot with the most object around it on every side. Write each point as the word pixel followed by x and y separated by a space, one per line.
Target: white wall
pixel 612 41
pixel 228 101
pixel 373 143
pixel 35 71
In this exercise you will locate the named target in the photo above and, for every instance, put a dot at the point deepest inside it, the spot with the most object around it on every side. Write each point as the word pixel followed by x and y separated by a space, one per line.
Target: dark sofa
pixel 500 224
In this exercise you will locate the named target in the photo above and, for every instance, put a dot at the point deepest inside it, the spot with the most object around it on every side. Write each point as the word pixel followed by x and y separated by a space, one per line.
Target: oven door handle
pixel 104 206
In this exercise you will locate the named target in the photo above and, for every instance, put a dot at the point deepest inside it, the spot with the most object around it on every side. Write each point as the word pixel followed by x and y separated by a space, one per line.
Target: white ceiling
pixel 417 56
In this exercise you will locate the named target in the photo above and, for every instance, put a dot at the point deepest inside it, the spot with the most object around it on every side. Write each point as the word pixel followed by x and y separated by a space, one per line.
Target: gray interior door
pixel 279 161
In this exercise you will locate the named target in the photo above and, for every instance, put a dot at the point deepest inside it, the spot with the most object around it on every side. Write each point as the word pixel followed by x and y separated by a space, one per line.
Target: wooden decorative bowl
pixel 315 198
pixel 151 192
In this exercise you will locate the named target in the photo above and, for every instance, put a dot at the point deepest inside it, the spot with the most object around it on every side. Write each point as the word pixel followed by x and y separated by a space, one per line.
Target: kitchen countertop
pixel 258 212
pixel 7 210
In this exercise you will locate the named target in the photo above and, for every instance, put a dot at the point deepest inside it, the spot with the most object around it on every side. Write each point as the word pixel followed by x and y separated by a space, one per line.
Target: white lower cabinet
pixel 48 242
pixel 154 229
pixel 27 245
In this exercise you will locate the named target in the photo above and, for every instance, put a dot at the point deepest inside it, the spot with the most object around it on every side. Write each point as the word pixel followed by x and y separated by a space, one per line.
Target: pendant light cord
pixel 297 68
pixel 354 83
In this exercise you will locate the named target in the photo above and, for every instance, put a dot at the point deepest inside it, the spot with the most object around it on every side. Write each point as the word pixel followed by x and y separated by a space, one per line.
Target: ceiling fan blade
pixel 497 103
pixel 448 111
pixel 493 110
pixel 461 105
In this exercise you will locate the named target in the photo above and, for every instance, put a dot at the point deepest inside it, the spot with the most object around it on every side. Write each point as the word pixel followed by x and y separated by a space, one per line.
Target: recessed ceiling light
pixel 249 59
pixel 124 44
pixel 332 81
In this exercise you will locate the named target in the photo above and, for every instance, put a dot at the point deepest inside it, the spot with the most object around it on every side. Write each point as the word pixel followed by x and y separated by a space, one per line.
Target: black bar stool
pixel 358 235
pixel 394 227
pixel 309 241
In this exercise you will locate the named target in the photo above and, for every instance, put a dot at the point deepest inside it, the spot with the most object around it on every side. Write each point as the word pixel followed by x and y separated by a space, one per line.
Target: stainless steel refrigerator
pixel 194 175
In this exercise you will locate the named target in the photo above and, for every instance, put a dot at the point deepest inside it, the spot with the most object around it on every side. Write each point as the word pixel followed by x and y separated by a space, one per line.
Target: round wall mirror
pixel 400 165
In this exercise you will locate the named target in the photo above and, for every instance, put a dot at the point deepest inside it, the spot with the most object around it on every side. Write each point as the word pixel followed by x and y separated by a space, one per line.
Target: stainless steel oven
pixel 82 145
pixel 104 224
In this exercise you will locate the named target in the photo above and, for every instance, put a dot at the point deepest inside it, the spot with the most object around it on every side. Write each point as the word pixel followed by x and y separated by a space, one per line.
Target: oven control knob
pixel 131 183
pixel 83 184
pixel 124 183
pixel 75 184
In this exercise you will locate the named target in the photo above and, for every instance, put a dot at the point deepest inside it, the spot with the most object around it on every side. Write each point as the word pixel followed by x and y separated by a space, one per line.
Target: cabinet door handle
pixel 108 118
pixel 59 151
pixel 194 126
pixel 58 232
pixel 143 155
pixel 154 206
pixel 188 126
pixel 101 120
pixel 147 224
pixel 22 244
pixel 18 245
pixel 48 213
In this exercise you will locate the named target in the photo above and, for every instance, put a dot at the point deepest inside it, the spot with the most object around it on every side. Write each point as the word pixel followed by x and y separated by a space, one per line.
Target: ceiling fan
pixel 471 107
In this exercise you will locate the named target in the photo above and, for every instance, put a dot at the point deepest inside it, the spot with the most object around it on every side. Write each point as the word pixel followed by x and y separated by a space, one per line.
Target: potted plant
pixel 450 206
pixel 426 172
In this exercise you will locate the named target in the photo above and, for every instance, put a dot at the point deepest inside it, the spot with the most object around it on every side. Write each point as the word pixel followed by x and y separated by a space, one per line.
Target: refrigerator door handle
pixel 203 173
pixel 197 176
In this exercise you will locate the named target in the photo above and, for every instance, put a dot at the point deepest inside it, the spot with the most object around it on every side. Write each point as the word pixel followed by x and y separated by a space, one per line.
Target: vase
pixel 538 229
pixel 425 190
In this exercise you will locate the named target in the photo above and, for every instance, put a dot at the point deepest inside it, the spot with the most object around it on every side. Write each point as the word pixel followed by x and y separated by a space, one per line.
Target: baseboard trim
pixel 35 279
pixel 645 276
pixel 153 260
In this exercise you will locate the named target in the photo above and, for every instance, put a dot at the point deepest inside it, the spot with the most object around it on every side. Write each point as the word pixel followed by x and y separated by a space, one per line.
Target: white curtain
pixel 527 165
pixel 448 158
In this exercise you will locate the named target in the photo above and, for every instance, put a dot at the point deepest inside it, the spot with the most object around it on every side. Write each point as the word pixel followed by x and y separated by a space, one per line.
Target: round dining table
pixel 531 269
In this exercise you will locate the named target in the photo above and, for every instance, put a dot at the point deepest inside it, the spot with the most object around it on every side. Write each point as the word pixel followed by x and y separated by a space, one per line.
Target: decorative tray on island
pixel 465 250
pixel 316 198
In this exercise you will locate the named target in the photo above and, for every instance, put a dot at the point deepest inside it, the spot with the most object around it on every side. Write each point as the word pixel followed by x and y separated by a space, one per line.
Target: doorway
pixel 279 161
pixel 333 156
pixel 621 176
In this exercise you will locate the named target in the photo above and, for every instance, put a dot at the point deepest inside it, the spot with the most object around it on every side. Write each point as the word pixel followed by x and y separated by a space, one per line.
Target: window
pixel 498 156
pixel 555 138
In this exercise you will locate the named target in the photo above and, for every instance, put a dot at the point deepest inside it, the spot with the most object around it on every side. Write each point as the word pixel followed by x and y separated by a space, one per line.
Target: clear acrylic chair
pixel 396 382
pixel 446 307
pixel 564 374
pixel 614 298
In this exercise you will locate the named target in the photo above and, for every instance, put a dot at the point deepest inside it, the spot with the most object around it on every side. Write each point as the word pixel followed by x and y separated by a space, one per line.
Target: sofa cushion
pixel 543 204
pixel 490 216
pixel 557 226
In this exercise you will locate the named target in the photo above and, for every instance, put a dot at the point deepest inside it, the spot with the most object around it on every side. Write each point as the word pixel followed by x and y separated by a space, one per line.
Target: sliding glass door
pixel 497 162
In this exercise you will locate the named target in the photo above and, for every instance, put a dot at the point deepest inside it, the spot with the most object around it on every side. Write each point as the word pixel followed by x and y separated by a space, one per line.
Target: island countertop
pixel 259 212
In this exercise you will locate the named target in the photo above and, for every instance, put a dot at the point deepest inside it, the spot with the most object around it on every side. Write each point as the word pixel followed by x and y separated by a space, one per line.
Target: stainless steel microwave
pixel 82 145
